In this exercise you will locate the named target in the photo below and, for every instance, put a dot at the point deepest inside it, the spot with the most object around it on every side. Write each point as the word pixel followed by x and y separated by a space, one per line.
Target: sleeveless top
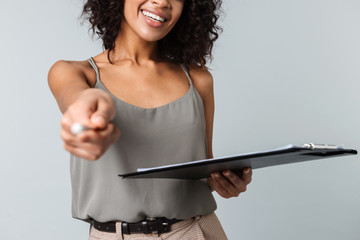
pixel 150 137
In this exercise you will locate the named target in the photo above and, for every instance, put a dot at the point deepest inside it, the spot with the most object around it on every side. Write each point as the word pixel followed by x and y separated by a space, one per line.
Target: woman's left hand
pixel 229 184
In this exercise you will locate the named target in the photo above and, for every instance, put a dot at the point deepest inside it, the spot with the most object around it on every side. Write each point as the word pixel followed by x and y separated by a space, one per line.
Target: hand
pixel 94 109
pixel 228 184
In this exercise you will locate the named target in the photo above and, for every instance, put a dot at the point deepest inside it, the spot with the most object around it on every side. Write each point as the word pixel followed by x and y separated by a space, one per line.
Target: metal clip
pixel 322 146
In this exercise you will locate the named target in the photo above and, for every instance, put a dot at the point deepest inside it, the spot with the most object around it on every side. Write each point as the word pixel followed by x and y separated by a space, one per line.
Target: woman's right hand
pixel 94 109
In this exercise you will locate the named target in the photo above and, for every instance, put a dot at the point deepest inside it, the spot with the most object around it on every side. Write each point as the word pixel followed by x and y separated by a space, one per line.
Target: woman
pixel 145 101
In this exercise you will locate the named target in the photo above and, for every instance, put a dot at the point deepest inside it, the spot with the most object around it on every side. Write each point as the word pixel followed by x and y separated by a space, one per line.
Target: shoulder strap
pixel 92 63
pixel 187 73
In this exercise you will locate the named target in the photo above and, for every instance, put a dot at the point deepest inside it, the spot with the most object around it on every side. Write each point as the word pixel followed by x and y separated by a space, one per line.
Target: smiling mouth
pixel 153 17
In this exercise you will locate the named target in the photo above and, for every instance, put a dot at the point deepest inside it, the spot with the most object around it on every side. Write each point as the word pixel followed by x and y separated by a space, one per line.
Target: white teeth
pixel 153 16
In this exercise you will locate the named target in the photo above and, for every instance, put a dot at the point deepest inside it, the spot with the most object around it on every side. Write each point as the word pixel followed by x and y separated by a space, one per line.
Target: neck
pixel 130 47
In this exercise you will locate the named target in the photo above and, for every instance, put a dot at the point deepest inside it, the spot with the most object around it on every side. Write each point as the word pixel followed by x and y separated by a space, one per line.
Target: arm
pixel 203 82
pixel 66 81
pixel 227 184
pixel 80 103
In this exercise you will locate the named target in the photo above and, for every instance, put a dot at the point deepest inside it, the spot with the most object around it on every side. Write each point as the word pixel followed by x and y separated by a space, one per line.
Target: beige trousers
pixel 205 227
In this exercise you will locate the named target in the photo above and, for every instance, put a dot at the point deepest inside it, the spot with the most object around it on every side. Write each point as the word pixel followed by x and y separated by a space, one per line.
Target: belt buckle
pixel 161 225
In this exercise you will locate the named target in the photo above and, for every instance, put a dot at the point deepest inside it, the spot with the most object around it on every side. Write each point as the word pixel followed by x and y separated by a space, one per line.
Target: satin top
pixel 150 137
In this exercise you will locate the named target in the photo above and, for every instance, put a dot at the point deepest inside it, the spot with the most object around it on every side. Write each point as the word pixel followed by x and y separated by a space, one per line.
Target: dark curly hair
pixel 189 42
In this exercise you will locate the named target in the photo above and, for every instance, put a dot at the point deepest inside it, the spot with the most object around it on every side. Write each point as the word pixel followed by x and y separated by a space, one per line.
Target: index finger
pixel 105 112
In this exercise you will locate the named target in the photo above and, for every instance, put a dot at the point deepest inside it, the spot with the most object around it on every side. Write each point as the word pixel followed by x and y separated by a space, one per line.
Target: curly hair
pixel 189 42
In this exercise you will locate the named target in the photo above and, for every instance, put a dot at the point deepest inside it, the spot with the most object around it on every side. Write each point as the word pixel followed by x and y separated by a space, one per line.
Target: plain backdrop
pixel 285 71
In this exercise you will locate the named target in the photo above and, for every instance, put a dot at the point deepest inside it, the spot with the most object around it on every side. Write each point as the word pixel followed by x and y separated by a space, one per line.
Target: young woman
pixel 145 101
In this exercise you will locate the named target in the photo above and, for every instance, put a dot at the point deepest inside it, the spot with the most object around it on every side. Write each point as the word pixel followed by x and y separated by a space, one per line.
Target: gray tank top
pixel 172 133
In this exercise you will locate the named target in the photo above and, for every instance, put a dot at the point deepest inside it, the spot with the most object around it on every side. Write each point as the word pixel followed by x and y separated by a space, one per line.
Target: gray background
pixel 285 71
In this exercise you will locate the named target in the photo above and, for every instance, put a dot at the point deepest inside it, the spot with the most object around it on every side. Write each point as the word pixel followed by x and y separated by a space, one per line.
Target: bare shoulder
pixel 64 70
pixel 63 66
pixel 202 79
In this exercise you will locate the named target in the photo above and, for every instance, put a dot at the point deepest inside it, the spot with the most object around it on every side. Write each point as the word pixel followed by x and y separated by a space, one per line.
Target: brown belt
pixel 158 225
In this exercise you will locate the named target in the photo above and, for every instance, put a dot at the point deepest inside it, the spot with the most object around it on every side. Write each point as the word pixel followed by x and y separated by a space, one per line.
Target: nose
pixel 161 3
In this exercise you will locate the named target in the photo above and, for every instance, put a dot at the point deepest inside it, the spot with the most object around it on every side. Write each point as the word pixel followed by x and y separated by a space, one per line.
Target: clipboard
pixel 203 168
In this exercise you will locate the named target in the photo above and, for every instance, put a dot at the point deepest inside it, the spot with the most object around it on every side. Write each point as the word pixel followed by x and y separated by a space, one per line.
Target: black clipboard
pixel 203 168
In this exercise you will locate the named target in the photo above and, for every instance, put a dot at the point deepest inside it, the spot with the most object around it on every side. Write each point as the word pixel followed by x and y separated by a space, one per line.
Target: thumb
pixel 105 112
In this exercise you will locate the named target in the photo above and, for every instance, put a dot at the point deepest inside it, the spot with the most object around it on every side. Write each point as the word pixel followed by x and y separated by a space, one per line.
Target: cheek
pixel 177 13
pixel 130 10
pixel 176 16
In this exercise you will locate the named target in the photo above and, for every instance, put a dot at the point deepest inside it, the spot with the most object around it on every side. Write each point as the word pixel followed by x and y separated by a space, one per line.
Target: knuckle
pixel 65 137
pixel 64 121
pixel 62 134
pixel 98 152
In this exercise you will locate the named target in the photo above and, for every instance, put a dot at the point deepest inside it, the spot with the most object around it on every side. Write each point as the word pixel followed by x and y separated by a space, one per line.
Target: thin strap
pixel 92 63
pixel 187 74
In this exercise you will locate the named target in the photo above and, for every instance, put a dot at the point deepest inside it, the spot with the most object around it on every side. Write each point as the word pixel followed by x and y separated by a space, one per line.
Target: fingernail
pixel 247 170
pixel 226 173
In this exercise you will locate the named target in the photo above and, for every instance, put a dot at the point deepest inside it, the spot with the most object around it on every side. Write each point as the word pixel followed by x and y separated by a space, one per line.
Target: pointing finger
pixel 105 112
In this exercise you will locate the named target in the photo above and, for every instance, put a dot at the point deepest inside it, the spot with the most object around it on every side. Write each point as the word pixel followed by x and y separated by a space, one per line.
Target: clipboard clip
pixel 322 146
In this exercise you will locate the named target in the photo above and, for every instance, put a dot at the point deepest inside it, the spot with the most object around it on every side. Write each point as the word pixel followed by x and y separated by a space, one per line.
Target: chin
pixel 152 37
